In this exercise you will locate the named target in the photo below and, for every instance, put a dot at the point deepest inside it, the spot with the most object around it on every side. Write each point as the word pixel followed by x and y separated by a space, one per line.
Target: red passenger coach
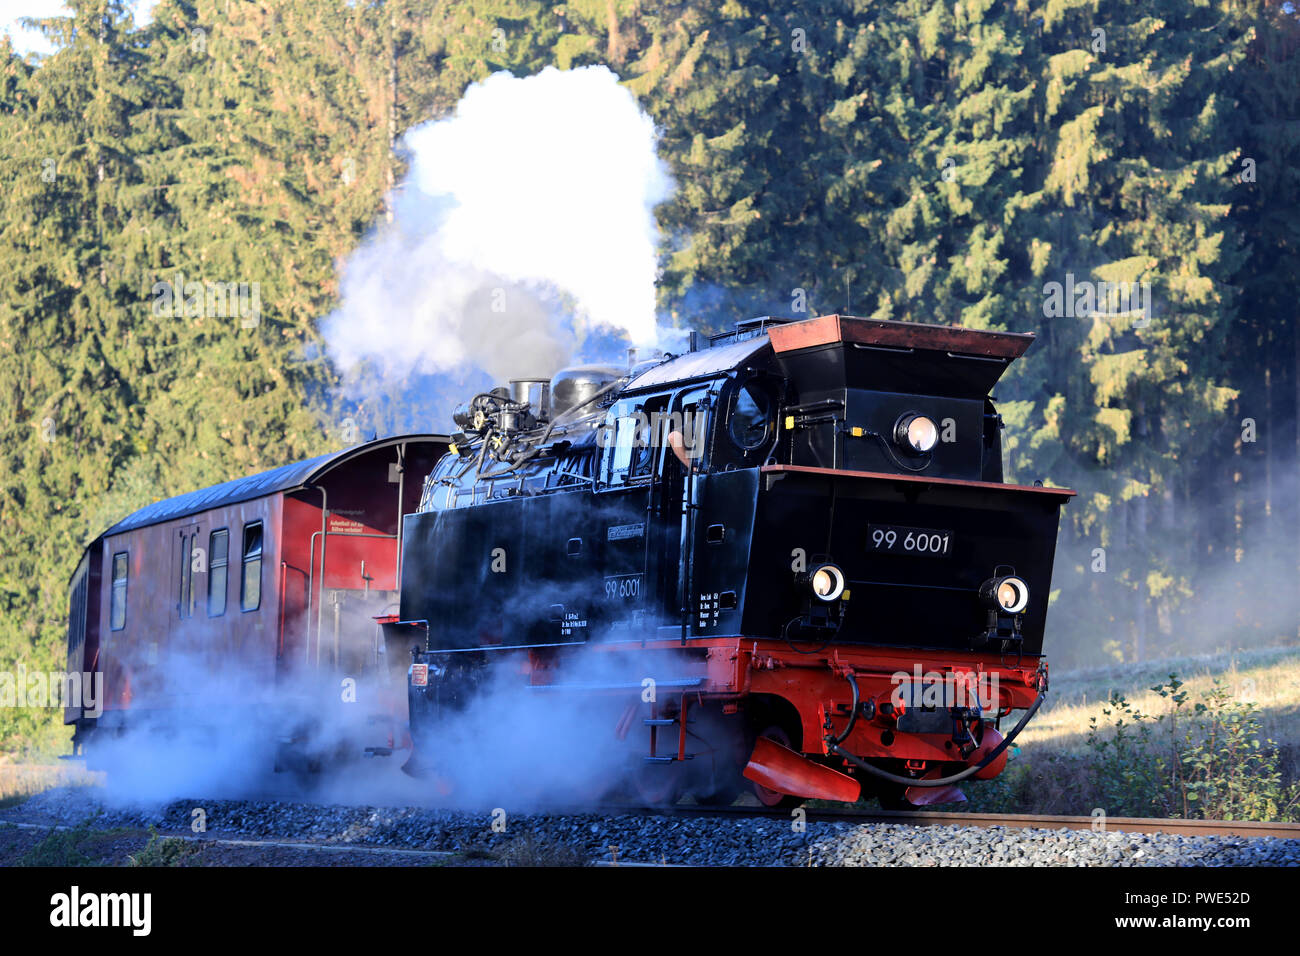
pixel 268 581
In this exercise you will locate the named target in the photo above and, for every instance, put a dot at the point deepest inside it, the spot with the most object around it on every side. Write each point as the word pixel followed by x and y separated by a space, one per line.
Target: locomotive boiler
pixel 785 560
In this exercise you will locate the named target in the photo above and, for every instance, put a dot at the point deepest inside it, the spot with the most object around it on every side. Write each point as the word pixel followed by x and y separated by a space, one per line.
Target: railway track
pixel 689 835
pixel 1014 821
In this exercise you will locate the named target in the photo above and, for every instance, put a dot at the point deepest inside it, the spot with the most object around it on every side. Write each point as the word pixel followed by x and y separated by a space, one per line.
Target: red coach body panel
pixel 322 579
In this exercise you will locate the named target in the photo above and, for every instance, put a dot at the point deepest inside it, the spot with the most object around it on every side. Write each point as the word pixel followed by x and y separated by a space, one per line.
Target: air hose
pixel 833 745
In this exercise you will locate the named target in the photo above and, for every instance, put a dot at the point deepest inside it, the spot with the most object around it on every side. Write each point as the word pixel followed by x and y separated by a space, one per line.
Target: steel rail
pixel 1014 821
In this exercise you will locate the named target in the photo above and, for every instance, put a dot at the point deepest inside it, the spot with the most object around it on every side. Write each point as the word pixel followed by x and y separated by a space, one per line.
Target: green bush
pixel 1207 759
pixel 165 851
pixel 59 848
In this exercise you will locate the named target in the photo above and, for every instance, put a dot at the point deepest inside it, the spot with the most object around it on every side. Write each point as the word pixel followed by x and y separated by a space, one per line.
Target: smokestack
pixel 535 392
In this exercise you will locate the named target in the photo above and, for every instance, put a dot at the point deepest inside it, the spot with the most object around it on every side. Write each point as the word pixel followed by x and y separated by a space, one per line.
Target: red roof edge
pixel 831 329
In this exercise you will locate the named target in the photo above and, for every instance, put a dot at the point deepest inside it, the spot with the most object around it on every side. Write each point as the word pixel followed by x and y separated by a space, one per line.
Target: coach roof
pixel 285 478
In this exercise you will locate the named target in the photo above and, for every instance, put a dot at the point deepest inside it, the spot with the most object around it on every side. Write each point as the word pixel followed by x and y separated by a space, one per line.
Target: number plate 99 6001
pixel 893 539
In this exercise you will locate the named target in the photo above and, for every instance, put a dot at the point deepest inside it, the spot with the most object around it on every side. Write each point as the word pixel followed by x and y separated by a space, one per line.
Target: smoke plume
pixel 525 225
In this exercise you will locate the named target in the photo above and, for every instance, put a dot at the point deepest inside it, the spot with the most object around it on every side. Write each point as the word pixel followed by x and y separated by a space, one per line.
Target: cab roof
pixel 756 338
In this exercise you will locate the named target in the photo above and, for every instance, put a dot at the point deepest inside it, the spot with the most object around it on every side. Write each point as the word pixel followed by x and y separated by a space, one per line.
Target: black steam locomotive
pixel 786 559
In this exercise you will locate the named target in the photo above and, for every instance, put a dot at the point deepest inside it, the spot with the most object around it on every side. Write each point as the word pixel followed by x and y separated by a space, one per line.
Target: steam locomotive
pixel 784 561
pixel 790 548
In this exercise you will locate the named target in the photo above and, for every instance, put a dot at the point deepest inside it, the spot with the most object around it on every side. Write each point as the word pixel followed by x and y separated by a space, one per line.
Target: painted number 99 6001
pixel 896 540
pixel 623 587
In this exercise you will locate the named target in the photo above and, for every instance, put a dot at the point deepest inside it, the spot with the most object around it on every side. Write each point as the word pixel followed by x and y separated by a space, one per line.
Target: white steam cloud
pixel 525 222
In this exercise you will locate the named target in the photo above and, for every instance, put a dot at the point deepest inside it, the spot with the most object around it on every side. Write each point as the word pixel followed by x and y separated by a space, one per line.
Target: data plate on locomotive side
pixel 920 542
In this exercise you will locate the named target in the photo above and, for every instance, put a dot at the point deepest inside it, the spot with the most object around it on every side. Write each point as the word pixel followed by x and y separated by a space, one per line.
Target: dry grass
pixel 1270 678
pixel 529 850
pixel 18 781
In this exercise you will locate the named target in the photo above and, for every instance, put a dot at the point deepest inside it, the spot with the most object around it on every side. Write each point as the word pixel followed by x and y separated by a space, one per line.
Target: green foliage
pixel 946 162
pixel 1199 759
pixel 60 848
pixel 165 851
pixel 1011 791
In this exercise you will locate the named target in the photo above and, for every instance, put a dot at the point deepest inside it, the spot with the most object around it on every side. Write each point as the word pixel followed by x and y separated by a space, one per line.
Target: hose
pixel 897 461
pixel 833 745
pixel 785 636
pixel 853 713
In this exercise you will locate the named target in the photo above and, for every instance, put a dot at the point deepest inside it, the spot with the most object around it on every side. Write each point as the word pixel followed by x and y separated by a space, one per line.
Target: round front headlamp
pixel 826 582
pixel 1010 595
pixel 916 433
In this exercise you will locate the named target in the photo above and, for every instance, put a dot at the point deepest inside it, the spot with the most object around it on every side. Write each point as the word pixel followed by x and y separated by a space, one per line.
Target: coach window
pixel 117 606
pixel 219 550
pixel 186 603
pixel 250 589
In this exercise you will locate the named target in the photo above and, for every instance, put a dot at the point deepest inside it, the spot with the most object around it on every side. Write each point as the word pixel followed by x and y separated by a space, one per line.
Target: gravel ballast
pixel 661 838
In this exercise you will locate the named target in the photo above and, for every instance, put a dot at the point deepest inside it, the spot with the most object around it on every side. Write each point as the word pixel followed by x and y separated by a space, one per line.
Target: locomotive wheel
pixel 299 765
pixel 723 796
pixel 721 788
pixel 715 778
pixel 775 798
pixel 656 784
pixel 892 796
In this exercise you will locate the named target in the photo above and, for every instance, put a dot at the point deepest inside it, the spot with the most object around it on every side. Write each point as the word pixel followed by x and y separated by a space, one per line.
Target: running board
pixel 637 686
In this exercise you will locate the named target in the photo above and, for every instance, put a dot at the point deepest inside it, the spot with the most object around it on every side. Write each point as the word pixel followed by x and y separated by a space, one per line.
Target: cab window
pixel 625 434
pixel 751 416
pixel 633 435
pixel 690 418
